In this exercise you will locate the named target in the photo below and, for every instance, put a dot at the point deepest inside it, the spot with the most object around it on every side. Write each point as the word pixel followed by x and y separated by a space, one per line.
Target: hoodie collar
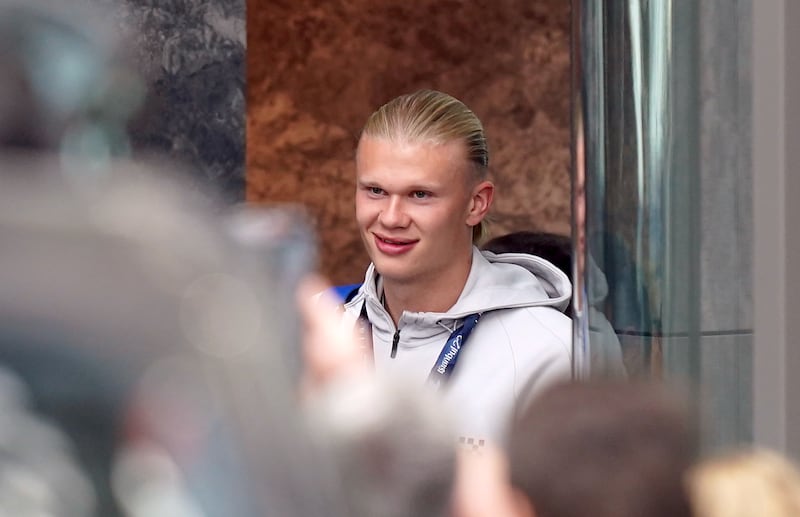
pixel 495 282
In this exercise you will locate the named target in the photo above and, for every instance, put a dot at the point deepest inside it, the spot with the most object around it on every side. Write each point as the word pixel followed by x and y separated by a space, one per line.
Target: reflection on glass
pixel 632 180
pixel 658 124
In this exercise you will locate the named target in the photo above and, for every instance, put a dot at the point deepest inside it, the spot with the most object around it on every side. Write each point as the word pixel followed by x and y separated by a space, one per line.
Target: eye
pixel 375 191
pixel 420 194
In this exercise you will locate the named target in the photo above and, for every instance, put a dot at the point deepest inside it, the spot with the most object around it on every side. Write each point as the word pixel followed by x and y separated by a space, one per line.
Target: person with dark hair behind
pixel 606 351
pixel 605 449
pixel 552 247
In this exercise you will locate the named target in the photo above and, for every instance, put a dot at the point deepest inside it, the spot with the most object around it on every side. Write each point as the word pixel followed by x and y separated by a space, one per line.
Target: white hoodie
pixel 521 344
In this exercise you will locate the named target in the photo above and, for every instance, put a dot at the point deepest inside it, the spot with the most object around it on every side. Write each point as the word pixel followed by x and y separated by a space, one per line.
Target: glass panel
pixel 661 122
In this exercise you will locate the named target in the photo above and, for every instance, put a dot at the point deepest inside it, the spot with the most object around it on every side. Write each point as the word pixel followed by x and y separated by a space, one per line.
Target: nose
pixel 393 214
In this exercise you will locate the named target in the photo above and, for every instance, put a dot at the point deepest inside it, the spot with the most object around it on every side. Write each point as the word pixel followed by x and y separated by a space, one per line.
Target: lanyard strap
pixel 448 357
pixel 365 335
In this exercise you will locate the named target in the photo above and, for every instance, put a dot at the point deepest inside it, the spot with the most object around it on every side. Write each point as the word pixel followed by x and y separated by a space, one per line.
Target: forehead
pixel 383 157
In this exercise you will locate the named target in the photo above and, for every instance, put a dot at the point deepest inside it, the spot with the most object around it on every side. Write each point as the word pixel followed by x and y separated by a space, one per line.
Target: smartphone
pixel 279 246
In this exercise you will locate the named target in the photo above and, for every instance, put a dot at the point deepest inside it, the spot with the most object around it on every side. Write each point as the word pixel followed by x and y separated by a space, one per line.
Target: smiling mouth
pixel 395 242
pixel 393 247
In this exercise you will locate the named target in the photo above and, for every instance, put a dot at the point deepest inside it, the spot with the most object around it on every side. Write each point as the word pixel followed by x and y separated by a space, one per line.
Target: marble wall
pixel 191 56
pixel 316 70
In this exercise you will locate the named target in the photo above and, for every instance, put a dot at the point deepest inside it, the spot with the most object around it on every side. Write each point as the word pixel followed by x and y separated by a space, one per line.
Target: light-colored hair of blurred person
pixel 603 448
pixel 436 117
pixel 745 483
pixel 393 446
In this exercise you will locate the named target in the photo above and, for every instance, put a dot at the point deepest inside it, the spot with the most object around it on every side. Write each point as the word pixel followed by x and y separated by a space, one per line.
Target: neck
pixel 437 294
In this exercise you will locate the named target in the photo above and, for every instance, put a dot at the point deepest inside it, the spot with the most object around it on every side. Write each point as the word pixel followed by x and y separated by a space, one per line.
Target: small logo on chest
pixel 471 444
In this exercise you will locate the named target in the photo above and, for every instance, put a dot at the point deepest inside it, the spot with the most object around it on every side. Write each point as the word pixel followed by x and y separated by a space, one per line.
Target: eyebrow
pixel 427 187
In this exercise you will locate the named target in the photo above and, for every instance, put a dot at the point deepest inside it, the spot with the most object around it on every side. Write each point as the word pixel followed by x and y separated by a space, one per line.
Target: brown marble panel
pixel 317 69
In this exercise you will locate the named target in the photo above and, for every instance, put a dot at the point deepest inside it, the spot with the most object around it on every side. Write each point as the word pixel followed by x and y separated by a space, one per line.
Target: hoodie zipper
pixel 395 340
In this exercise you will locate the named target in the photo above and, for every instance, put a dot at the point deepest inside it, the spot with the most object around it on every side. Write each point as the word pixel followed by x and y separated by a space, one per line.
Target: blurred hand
pixel 483 486
pixel 330 346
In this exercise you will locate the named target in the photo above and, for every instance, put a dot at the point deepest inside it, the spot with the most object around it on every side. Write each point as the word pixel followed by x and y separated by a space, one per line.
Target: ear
pixel 481 201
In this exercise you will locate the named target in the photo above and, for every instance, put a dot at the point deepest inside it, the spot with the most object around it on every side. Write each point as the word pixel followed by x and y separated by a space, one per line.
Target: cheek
pixel 447 222
pixel 364 210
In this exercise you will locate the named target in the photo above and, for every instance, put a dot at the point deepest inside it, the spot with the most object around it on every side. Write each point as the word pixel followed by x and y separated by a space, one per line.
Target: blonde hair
pixel 432 116
pixel 746 483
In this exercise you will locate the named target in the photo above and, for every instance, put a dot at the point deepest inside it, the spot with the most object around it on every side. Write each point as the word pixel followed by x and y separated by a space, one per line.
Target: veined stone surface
pixel 316 70
pixel 191 55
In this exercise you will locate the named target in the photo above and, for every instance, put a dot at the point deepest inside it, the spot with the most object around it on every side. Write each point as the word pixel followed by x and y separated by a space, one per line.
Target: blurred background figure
pixel 603 448
pixel 745 483
pixel 606 352
pixel 555 248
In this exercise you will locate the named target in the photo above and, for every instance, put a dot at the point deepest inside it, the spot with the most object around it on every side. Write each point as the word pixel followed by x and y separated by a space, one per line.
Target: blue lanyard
pixel 448 357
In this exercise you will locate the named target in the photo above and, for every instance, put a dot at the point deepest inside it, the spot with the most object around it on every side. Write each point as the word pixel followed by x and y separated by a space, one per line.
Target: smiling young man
pixel 486 330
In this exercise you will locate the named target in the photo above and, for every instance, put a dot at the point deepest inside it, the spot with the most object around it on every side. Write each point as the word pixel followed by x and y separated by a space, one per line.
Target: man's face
pixel 413 207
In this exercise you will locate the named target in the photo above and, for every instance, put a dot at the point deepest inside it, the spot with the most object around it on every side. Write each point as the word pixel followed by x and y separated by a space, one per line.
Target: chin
pixel 394 272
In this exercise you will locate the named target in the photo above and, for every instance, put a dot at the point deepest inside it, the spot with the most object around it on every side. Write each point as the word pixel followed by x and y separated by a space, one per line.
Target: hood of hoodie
pixel 495 281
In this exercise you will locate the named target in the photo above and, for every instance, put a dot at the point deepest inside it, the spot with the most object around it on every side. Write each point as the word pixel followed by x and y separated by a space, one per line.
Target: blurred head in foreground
pixel 600 448
pixel 603 448
pixel 746 483
pixel 392 446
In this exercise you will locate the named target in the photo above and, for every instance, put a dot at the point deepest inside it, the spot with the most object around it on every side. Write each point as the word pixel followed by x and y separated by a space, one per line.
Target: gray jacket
pixel 521 344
